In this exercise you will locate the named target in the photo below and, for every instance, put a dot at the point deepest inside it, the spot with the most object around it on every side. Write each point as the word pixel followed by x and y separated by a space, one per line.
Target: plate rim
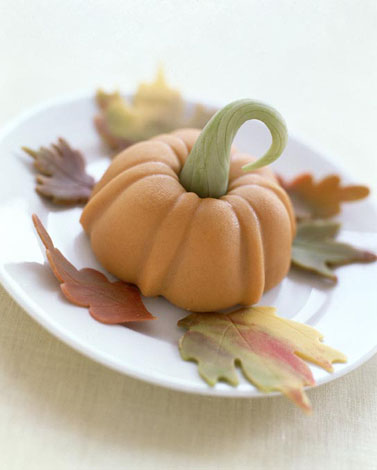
pixel 35 312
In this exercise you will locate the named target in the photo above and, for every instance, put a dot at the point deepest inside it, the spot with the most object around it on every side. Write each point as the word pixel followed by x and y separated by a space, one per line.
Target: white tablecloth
pixel 317 63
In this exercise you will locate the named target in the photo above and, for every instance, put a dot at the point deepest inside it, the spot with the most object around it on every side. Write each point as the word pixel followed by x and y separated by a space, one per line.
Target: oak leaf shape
pixel 315 249
pixel 323 198
pixel 268 348
pixel 108 302
pixel 62 173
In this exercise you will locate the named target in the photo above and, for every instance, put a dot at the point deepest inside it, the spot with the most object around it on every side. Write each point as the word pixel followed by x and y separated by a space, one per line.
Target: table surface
pixel 317 63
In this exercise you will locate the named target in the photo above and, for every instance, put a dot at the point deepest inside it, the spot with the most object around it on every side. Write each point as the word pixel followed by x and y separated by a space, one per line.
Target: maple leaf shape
pixel 103 129
pixel 108 302
pixel 315 249
pixel 104 99
pixel 156 108
pixel 107 101
pixel 268 348
pixel 62 175
pixel 321 199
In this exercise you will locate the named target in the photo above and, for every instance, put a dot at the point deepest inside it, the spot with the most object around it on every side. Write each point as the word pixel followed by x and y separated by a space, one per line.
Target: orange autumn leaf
pixel 269 349
pixel 108 302
pixel 323 198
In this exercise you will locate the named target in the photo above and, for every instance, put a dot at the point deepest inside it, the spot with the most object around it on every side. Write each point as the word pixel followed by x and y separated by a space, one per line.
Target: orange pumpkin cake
pixel 181 215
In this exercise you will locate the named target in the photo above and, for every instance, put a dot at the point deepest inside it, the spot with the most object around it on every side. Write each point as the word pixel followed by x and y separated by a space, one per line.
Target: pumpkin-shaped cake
pixel 178 216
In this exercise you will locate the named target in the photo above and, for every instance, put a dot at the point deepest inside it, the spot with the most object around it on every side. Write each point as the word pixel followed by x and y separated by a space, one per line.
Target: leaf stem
pixel 206 171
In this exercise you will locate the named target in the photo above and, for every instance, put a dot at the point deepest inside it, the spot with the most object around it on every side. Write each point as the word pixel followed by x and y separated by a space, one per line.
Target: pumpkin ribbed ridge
pixel 249 267
pixel 201 254
pixel 173 266
pixel 278 191
pixel 150 244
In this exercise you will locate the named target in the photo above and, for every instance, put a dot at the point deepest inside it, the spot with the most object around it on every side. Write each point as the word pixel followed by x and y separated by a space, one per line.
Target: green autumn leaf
pixel 268 349
pixel 316 250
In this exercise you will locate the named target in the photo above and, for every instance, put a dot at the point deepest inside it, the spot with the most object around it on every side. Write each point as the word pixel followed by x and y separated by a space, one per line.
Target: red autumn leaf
pixel 268 348
pixel 321 199
pixel 108 302
pixel 62 174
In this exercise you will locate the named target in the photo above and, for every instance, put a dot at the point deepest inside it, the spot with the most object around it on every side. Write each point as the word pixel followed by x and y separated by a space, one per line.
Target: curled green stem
pixel 206 170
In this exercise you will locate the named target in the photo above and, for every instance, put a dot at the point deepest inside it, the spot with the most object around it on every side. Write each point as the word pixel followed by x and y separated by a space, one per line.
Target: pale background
pixel 316 61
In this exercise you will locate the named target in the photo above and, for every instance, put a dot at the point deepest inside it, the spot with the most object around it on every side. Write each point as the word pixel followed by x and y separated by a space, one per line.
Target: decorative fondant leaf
pixel 323 198
pixel 115 143
pixel 315 249
pixel 108 302
pixel 155 109
pixel 62 174
pixel 268 348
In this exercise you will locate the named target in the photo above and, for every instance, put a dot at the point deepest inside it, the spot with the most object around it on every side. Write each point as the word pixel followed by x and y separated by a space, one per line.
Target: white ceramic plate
pixel 345 314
